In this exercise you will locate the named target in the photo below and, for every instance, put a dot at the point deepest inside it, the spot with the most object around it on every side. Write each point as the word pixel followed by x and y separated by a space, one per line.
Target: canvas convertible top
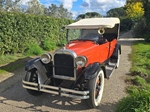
pixel 94 23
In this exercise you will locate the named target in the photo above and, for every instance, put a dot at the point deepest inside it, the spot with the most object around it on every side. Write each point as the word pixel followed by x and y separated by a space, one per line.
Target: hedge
pixel 18 31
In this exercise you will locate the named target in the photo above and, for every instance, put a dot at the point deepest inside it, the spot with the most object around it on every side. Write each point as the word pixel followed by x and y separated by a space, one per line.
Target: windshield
pixel 83 34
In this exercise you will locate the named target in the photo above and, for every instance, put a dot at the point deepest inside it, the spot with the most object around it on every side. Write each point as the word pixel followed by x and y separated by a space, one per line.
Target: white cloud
pixel 86 3
pixel 68 3
pixel 74 14
pixel 101 6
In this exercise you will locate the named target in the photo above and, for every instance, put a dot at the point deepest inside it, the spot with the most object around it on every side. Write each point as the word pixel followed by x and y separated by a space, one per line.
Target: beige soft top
pixel 94 23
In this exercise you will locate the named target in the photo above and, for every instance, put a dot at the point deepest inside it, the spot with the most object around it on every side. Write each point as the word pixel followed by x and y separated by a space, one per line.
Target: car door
pixel 104 51
pixel 112 47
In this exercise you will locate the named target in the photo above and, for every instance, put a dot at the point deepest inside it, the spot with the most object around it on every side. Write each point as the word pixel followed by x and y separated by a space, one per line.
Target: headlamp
pixel 81 61
pixel 46 58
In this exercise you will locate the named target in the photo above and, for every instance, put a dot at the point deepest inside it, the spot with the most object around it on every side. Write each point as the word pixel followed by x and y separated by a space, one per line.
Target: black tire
pixel 118 59
pixel 96 87
pixel 31 76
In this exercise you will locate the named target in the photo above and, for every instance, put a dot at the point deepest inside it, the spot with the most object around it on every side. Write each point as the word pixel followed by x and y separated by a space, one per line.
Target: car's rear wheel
pixel 118 59
pixel 96 87
pixel 31 76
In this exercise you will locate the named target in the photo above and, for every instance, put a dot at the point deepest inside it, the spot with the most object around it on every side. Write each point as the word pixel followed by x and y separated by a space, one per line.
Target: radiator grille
pixel 64 65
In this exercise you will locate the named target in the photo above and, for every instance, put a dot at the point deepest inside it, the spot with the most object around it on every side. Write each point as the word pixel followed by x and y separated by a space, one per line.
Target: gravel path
pixel 15 98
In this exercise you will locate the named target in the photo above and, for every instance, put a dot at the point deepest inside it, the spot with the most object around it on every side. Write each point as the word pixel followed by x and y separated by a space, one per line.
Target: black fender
pixel 31 64
pixel 91 70
pixel 115 53
pixel 40 68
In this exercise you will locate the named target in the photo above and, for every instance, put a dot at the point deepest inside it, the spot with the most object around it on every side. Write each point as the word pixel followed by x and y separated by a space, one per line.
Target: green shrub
pixel 48 44
pixel 34 49
pixel 126 24
pixel 18 31
pixel 147 37
pixel 139 29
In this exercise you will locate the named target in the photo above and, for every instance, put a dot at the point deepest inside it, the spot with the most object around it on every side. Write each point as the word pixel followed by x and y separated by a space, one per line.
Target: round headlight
pixel 46 58
pixel 81 61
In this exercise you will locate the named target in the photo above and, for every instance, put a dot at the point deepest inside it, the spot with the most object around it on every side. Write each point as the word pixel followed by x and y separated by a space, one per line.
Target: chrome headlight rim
pixel 81 61
pixel 46 58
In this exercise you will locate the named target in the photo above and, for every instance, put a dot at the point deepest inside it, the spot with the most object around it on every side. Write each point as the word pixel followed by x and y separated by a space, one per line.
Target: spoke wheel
pixel 32 76
pixel 96 87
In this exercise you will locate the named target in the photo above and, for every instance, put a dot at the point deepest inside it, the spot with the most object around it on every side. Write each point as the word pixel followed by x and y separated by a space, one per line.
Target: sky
pixel 78 7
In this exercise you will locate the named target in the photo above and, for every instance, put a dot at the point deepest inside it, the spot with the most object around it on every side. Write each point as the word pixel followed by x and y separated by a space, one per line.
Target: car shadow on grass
pixel 12 67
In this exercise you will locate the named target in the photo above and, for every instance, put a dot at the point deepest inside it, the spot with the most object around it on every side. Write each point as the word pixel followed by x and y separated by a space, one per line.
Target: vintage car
pixel 78 69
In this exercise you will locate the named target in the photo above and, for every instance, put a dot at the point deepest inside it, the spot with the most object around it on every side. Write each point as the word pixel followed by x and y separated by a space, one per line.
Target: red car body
pixel 104 51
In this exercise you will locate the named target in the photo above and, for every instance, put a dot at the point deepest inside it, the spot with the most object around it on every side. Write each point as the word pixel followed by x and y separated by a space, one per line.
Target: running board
pixel 110 69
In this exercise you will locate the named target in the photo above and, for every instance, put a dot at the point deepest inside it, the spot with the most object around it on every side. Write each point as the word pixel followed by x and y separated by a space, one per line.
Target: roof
pixel 93 23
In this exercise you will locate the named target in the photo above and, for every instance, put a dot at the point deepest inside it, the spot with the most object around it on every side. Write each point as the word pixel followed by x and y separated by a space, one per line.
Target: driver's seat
pixel 101 39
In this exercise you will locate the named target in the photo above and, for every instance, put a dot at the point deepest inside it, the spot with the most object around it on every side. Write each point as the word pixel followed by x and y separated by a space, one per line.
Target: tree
pixel 81 16
pixel 135 10
pixel 133 1
pixel 146 4
pixel 117 12
pixel 1 5
pixel 51 10
pixel 88 15
pixel 58 12
pixel 92 14
pixel 34 7
pixel 9 5
pixel 16 7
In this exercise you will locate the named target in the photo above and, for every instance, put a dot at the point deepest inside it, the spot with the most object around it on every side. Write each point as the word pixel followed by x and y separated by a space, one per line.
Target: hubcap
pixel 98 87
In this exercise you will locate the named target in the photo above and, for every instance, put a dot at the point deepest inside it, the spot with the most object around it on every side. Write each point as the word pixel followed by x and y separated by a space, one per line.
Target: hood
pixel 79 47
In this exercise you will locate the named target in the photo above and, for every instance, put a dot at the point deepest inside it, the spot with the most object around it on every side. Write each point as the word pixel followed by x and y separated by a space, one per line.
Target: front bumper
pixel 56 90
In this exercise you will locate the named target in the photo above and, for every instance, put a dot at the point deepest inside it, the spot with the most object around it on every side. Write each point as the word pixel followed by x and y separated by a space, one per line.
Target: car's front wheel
pixel 31 76
pixel 96 87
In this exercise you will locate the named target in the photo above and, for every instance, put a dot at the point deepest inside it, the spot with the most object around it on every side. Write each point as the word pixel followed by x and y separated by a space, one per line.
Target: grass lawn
pixel 138 99
pixel 10 63
pixel 140 58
